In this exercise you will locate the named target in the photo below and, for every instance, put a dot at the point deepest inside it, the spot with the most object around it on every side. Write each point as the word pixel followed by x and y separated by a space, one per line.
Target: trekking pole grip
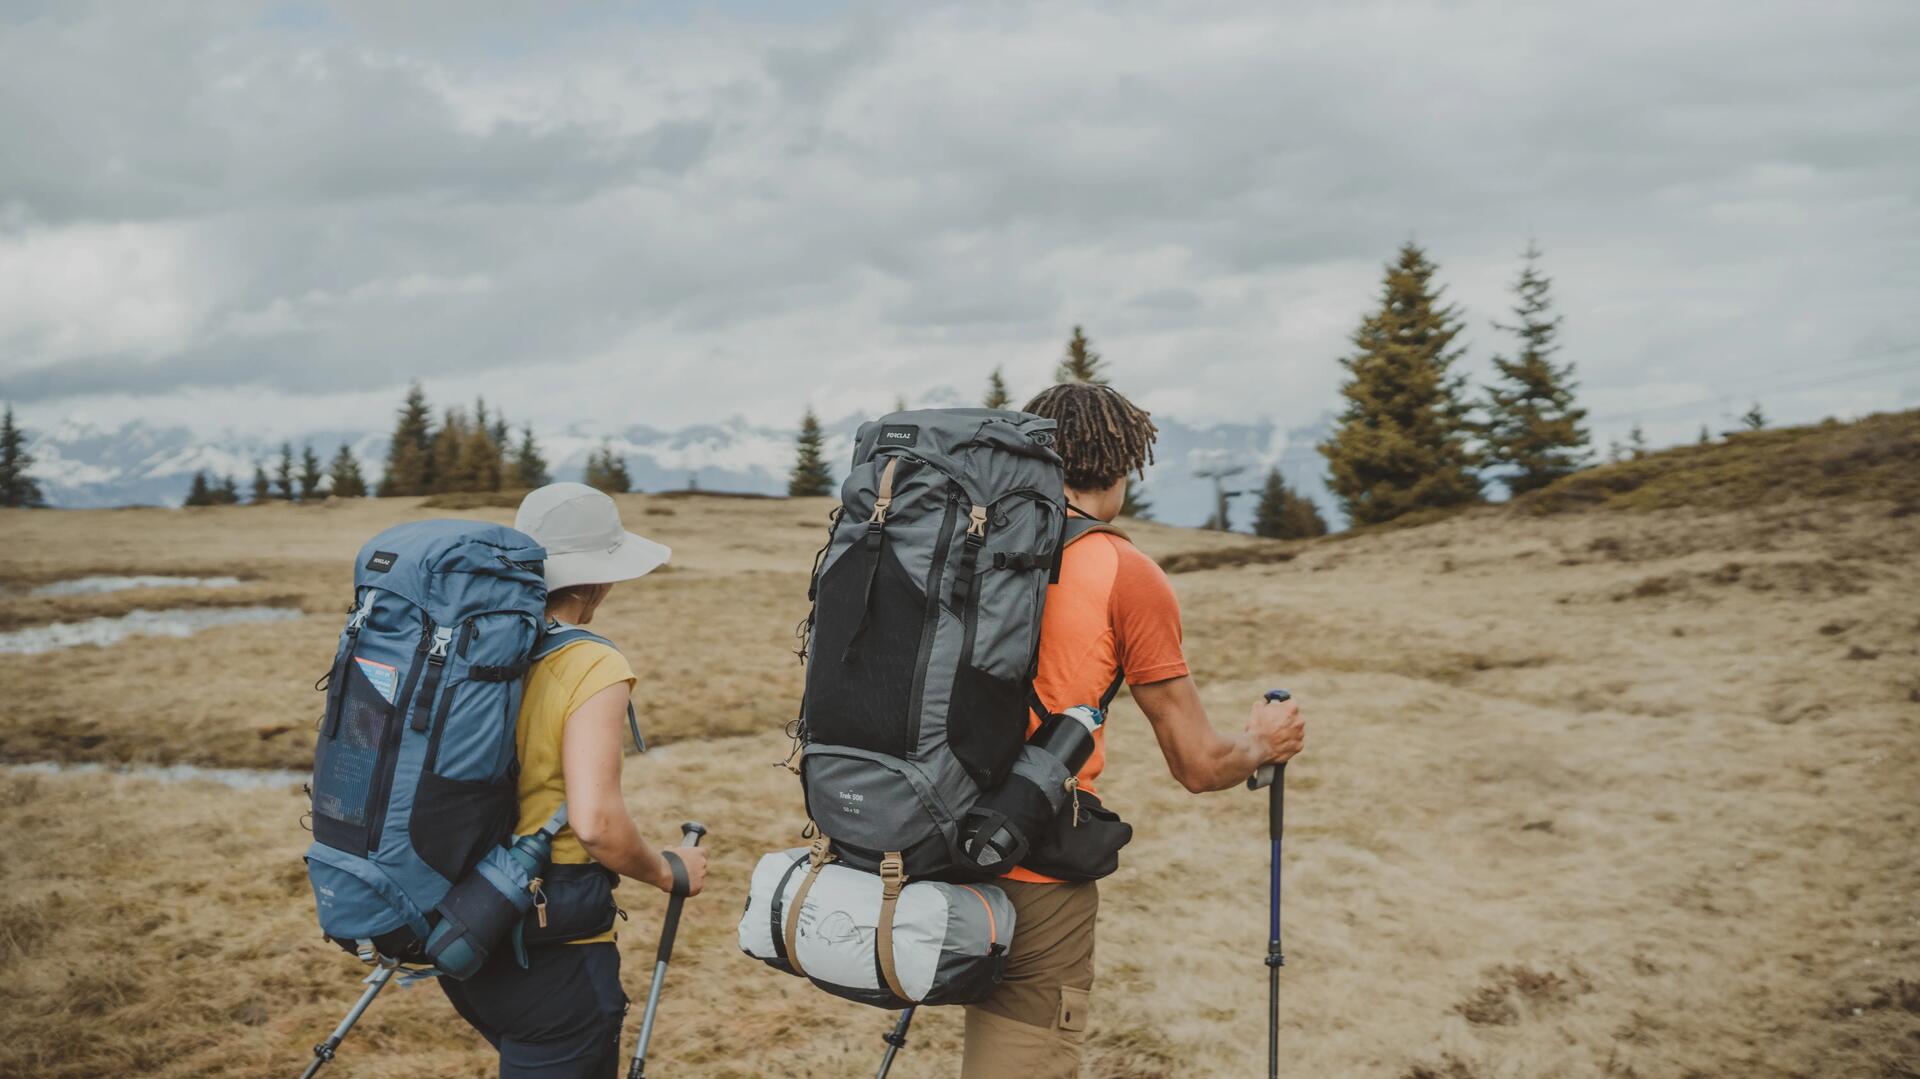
pixel 1266 774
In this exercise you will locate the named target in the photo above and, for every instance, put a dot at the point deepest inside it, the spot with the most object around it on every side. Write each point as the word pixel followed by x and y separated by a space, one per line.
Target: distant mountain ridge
pixel 83 465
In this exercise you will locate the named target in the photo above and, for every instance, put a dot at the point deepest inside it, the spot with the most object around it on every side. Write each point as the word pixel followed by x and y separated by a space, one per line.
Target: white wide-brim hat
pixel 586 544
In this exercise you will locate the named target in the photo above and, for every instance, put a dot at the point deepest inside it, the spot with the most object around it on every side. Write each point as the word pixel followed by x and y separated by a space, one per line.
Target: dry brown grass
pixel 1539 831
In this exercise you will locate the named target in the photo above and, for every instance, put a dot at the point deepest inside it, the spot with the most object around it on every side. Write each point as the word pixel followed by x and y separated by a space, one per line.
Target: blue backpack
pixel 414 769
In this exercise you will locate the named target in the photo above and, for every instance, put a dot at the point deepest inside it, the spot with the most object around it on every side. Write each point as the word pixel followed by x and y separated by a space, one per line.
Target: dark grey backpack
pixel 925 631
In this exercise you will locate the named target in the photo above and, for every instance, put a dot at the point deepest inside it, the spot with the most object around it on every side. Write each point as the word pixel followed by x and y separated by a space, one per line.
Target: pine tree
pixel 997 395
pixel 607 471
pixel 17 489
pixel 811 474
pixel 1753 419
pixel 447 454
pixel 1706 438
pixel 1402 440
pixel 198 493
pixel 1533 426
pixel 1137 504
pixel 283 476
pixel 1082 363
pixel 310 474
pixel 410 453
pixel 529 467
pixel 345 470
pixel 480 455
pixel 1282 514
pixel 228 493
pixel 899 402
pixel 1637 442
pixel 262 487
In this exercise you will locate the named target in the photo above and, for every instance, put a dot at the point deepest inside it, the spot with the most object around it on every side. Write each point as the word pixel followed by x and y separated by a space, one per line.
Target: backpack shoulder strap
pixel 557 635
pixel 1077 528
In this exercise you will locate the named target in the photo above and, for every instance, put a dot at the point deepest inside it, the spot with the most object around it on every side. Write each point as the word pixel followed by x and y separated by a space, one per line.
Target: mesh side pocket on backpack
pixel 456 821
pixel 864 653
pixel 348 762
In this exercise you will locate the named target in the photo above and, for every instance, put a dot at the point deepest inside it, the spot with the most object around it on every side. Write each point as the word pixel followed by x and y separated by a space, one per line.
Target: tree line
pixel 1411 434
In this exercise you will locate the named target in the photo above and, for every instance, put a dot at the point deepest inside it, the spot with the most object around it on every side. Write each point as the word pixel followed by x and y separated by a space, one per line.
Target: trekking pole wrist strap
pixel 681 884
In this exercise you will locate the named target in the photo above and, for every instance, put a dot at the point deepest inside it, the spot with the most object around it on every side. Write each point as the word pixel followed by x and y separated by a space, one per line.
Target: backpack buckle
pixel 977 521
pixel 892 874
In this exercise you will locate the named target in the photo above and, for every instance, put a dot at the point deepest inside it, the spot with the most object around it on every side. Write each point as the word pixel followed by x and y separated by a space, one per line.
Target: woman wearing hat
pixel 561 1015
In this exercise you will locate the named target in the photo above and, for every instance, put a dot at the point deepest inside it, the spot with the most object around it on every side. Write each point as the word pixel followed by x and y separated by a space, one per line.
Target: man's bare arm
pixel 1202 758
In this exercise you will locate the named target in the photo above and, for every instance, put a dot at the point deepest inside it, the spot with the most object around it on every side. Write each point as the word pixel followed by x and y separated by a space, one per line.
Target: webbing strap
pixel 892 878
pixel 817 859
pixel 876 538
pixel 780 906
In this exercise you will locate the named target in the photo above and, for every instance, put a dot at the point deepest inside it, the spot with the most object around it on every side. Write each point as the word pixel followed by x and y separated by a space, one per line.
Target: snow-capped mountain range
pixel 85 465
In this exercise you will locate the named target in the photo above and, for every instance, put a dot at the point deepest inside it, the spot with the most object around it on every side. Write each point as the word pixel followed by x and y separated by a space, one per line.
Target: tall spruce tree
pixel 410 453
pixel 1137 503
pixel 1753 419
pixel 198 492
pixel 811 474
pixel 1533 427
pixel 1284 514
pixel 345 470
pixel 529 467
pixel 1402 440
pixel 310 473
pixel 1081 363
pixel 447 454
pixel 17 489
pixel 997 395
pixel 228 493
pixel 262 487
pixel 283 475
pixel 480 456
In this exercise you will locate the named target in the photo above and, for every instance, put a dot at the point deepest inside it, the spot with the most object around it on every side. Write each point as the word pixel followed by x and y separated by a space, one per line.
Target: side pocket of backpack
pixel 347 763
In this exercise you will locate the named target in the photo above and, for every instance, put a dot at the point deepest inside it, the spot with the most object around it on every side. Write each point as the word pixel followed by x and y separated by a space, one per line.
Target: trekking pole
pixel 896 1040
pixel 1273 776
pixel 323 1053
pixel 690 834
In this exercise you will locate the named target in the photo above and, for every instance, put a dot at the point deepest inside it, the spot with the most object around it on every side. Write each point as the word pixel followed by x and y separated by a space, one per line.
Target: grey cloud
pixel 661 194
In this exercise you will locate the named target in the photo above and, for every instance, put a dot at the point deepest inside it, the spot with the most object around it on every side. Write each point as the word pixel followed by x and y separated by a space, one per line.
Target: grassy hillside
pixel 1875 459
pixel 1588 793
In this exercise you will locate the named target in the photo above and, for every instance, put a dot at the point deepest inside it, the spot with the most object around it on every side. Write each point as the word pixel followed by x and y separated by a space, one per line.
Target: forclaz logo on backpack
pixel 381 562
pixel 899 434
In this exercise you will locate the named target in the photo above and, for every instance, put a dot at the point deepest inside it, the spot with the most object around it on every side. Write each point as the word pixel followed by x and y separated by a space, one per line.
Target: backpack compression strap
pixel 556 635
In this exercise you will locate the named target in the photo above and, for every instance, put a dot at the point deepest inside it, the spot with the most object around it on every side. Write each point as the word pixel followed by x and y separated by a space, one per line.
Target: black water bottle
pixel 998 832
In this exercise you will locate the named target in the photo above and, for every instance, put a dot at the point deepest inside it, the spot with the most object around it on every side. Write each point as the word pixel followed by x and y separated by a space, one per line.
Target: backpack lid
pixel 447 566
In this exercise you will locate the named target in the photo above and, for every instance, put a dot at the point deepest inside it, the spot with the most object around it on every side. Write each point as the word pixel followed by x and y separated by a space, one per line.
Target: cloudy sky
pixel 270 217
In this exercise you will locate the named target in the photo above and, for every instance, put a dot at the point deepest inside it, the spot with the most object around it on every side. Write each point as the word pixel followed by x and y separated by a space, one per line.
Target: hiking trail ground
pixel 1609 792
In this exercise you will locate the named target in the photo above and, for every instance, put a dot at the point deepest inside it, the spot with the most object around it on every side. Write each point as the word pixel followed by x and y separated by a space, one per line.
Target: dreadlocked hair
pixel 1102 436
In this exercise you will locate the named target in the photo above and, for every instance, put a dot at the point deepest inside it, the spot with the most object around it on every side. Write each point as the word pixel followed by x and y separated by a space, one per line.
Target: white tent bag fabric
pixel 949 940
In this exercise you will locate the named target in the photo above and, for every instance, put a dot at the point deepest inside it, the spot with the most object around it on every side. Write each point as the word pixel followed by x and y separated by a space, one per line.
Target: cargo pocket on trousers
pixel 1073 1010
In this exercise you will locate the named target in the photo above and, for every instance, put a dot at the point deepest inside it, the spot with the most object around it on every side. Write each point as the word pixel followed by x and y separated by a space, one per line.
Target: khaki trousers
pixel 1034 1024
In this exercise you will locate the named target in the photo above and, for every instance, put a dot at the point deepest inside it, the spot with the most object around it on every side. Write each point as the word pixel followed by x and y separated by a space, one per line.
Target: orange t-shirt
pixel 1113 611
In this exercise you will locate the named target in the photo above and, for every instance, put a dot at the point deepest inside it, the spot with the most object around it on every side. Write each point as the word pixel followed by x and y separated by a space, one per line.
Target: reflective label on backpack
pixel 385 678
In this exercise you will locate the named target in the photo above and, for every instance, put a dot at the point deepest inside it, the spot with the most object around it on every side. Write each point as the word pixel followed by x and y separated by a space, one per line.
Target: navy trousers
pixel 558 1019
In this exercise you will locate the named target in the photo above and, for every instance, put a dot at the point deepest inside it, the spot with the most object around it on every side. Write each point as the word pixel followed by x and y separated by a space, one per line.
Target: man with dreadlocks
pixel 1112 615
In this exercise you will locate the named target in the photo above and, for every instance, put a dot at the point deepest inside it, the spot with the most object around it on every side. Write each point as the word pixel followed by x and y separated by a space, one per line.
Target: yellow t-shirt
pixel 556 687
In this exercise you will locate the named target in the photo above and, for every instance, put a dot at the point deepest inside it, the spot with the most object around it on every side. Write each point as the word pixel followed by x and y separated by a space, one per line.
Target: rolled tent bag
pixel 947 942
